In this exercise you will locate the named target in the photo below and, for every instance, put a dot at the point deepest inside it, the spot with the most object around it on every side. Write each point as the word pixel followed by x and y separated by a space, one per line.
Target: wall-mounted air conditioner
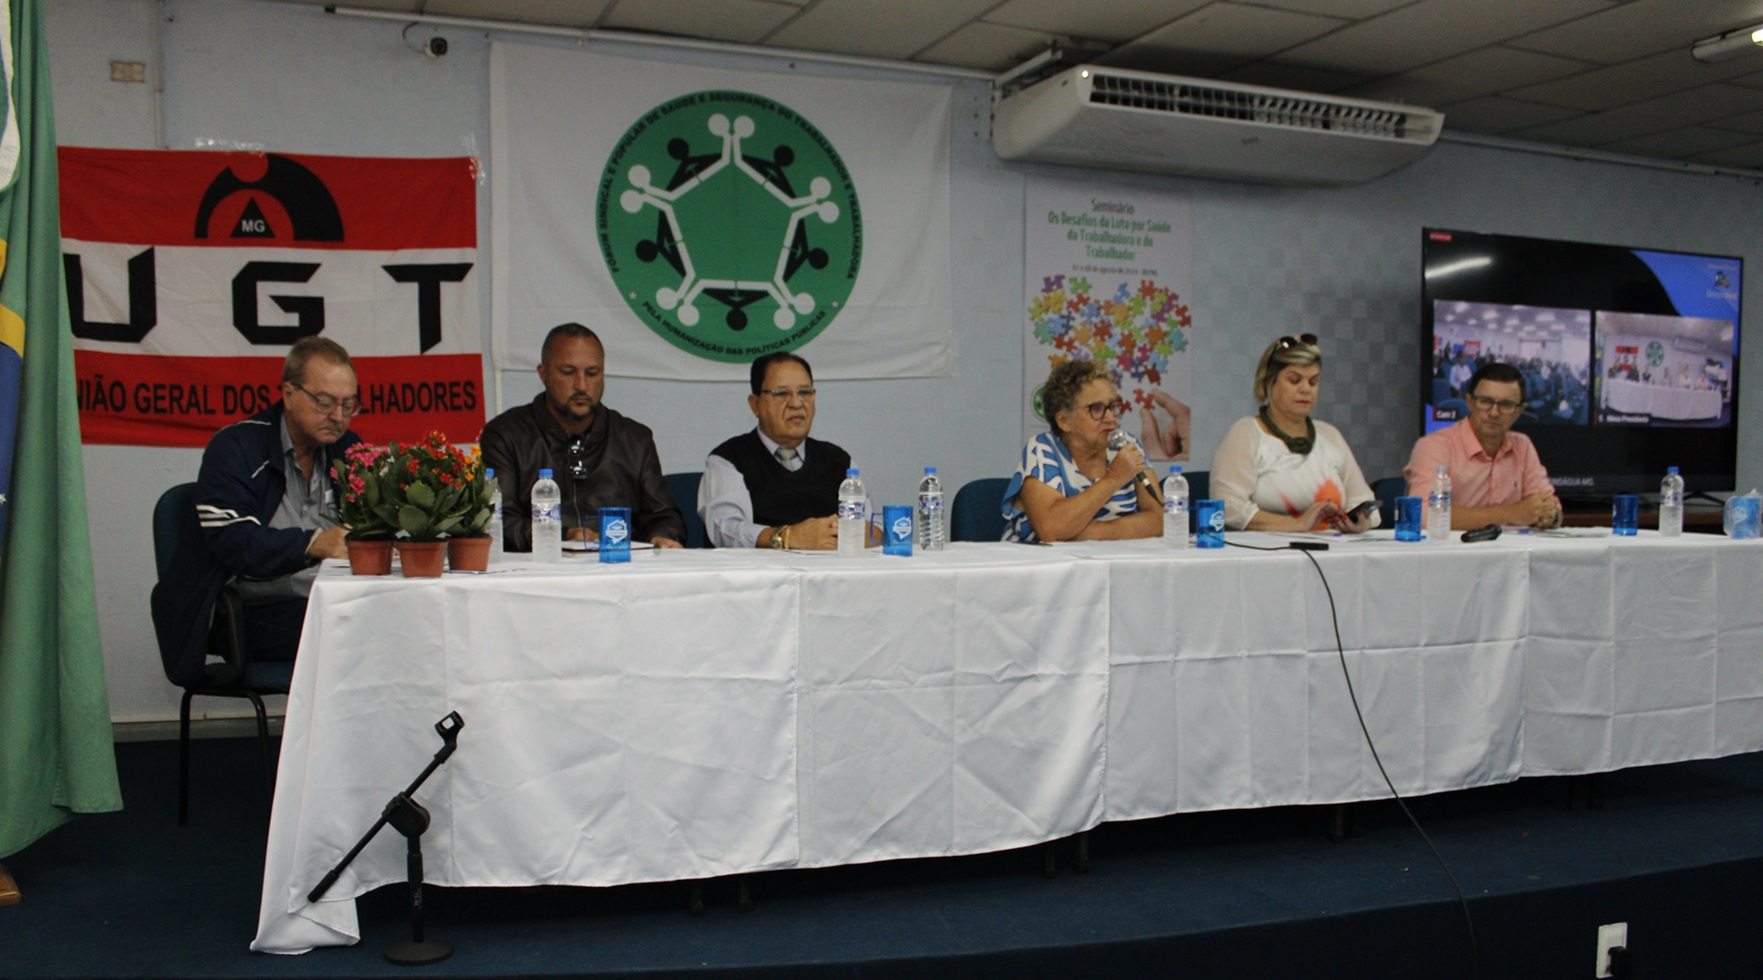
pixel 1110 118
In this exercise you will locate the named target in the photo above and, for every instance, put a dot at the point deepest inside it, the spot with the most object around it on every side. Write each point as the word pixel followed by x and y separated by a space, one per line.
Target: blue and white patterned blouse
pixel 1046 459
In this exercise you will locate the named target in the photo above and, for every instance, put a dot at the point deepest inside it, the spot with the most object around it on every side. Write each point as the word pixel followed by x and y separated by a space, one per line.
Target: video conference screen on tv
pixel 1629 355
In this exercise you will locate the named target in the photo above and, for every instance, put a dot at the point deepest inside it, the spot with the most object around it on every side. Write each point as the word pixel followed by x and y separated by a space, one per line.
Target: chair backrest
pixel 1199 486
pixel 174 518
pixel 977 514
pixel 684 487
pixel 1387 490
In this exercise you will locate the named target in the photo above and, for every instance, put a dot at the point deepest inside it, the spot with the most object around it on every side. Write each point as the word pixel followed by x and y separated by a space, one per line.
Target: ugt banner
pixel 190 274
pixel 698 218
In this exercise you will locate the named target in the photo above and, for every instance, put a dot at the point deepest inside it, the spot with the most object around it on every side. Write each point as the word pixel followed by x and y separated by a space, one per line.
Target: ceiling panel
pixel 1113 21
pixel 741 21
pixel 878 28
pixel 1611 73
pixel 1744 157
pixel 1348 9
pixel 1651 116
pixel 566 13
pixel 1644 27
pixel 1433 30
pixel 1495 115
pixel 1608 88
pixel 992 47
pixel 1226 32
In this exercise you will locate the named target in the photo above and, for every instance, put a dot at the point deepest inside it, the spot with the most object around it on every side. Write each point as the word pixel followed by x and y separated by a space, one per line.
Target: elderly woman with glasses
pixel 1281 470
pixel 1071 485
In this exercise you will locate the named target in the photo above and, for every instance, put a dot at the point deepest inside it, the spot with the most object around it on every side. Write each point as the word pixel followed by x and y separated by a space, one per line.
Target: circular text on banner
pixel 730 225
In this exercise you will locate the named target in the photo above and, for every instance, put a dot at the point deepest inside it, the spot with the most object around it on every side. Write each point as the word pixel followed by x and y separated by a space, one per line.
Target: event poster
pixel 1107 274
pixel 191 273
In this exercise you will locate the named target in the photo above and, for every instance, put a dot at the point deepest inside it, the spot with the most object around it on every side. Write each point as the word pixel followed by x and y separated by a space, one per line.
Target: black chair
pixel 235 675
pixel 1387 490
pixel 977 514
pixel 684 487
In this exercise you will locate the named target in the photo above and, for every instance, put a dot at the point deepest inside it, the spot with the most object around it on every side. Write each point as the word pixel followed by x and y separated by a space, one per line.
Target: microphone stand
pixel 409 818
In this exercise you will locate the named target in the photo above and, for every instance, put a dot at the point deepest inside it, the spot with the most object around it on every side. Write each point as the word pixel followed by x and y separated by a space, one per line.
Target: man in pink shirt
pixel 1496 477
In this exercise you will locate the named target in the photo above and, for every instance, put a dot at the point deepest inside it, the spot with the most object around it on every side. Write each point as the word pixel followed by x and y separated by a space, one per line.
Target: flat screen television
pixel 1630 355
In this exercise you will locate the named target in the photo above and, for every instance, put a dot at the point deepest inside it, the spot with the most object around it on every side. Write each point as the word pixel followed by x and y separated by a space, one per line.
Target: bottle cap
pixel 930 471
pixel 545 474
pixel 851 472
pixel 489 473
pixel 1670 469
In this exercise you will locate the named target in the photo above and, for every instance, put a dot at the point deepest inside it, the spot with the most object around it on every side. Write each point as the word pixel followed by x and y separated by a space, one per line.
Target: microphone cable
pixel 1341 653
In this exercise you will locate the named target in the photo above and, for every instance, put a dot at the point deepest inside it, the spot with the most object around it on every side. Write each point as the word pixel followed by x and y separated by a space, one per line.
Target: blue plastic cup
pixel 1742 517
pixel 615 534
pixel 897 530
pixel 1209 523
pixel 1625 514
pixel 1408 518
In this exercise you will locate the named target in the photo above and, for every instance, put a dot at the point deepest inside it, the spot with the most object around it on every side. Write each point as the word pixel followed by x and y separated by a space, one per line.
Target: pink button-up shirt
pixel 1513 473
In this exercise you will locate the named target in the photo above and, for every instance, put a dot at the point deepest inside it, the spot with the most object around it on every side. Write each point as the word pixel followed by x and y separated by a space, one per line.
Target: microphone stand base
pixel 418 953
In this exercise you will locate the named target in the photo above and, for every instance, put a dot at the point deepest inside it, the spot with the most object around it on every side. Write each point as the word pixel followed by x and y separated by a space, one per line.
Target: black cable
pixel 1341 652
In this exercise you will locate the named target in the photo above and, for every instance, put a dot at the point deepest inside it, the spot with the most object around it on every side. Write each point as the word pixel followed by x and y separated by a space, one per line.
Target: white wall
pixel 1342 263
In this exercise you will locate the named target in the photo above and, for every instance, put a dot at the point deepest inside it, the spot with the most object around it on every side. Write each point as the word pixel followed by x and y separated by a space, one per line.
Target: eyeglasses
pixel 785 394
pixel 1099 409
pixel 578 459
pixel 1301 340
pixel 351 406
pixel 1487 404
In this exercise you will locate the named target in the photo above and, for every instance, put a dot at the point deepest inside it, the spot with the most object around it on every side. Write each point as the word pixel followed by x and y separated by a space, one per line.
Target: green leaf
pixel 421 496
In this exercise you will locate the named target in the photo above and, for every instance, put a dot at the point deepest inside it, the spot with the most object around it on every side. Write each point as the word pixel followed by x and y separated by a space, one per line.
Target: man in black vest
pixel 774 487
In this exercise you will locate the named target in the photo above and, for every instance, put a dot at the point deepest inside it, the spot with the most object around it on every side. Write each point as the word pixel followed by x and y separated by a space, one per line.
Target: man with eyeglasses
pixel 1496 477
pixel 261 496
pixel 599 457
pixel 775 487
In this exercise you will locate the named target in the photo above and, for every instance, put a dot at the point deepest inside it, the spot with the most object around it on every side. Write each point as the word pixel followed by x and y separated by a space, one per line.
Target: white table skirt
pixel 1661 401
pixel 707 713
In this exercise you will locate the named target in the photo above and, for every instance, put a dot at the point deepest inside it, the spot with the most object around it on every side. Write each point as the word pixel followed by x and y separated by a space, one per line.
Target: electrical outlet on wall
pixel 1610 937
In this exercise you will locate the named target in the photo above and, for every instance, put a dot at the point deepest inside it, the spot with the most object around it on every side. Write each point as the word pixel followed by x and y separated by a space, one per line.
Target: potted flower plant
pixel 432 492
pixel 369 538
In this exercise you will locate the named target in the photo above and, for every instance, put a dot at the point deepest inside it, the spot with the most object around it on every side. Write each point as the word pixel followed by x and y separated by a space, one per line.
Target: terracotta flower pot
pixel 468 554
pixel 369 557
pixel 422 559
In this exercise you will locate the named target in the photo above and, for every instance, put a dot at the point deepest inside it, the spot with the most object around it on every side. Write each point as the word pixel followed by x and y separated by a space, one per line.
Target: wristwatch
pixel 777 539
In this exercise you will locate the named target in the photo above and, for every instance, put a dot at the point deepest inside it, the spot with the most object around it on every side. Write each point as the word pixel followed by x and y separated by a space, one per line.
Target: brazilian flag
pixel 56 757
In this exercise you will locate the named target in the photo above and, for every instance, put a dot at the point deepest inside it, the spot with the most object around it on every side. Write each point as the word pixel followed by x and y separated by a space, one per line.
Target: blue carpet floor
pixel 1675 851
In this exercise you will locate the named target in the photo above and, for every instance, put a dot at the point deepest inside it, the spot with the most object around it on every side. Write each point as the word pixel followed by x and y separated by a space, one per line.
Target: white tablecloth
pixel 1660 401
pixel 706 713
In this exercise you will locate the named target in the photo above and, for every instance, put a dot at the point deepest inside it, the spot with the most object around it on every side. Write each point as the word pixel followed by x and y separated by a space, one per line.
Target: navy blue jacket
pixel 237 491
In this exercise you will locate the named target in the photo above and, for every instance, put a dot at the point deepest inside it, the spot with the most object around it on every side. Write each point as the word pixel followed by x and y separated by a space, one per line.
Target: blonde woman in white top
pixel 1281 470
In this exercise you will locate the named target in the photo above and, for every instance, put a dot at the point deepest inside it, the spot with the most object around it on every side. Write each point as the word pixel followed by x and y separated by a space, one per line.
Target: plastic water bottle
pixel 1175 509
pixel 547 519
pixel 930 531
pixel 1671 503
pixel 1438 507
pixel 851 523
pixel 494 529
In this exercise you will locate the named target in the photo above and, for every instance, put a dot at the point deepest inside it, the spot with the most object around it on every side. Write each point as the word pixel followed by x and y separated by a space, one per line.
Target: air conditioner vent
pixel 1293 111
pixel 1127 120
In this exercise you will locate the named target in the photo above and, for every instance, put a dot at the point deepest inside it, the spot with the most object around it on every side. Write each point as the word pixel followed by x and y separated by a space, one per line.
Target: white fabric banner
pixel 697 218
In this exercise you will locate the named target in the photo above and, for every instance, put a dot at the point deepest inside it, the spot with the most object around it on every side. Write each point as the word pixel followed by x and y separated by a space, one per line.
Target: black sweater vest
pixel 783 497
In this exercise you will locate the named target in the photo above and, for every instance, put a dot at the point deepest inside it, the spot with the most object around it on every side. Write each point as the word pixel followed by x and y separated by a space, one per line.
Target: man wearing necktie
pixel 775 487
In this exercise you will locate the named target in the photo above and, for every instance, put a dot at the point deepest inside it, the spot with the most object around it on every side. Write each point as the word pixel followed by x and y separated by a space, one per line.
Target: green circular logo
pixel 1655 353
pixel 730 225
pixel 1040 407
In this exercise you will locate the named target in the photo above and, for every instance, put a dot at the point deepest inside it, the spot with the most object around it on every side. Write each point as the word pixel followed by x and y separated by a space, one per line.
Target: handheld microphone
pixel 1117 441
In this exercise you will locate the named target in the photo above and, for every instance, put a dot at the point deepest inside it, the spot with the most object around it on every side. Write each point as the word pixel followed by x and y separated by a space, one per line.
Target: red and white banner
pixel 190 274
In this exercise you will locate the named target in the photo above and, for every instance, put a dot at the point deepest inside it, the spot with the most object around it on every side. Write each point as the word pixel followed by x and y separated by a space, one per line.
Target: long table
pixel 694 714
pixel 1661 401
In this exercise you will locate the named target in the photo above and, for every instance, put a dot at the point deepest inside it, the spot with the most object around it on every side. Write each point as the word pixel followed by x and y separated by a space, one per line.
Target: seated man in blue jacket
pixel 264 485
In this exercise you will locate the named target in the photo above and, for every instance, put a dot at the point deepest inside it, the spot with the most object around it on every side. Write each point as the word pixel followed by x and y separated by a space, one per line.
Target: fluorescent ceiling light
pixel 1462 265
pixel 1732 44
